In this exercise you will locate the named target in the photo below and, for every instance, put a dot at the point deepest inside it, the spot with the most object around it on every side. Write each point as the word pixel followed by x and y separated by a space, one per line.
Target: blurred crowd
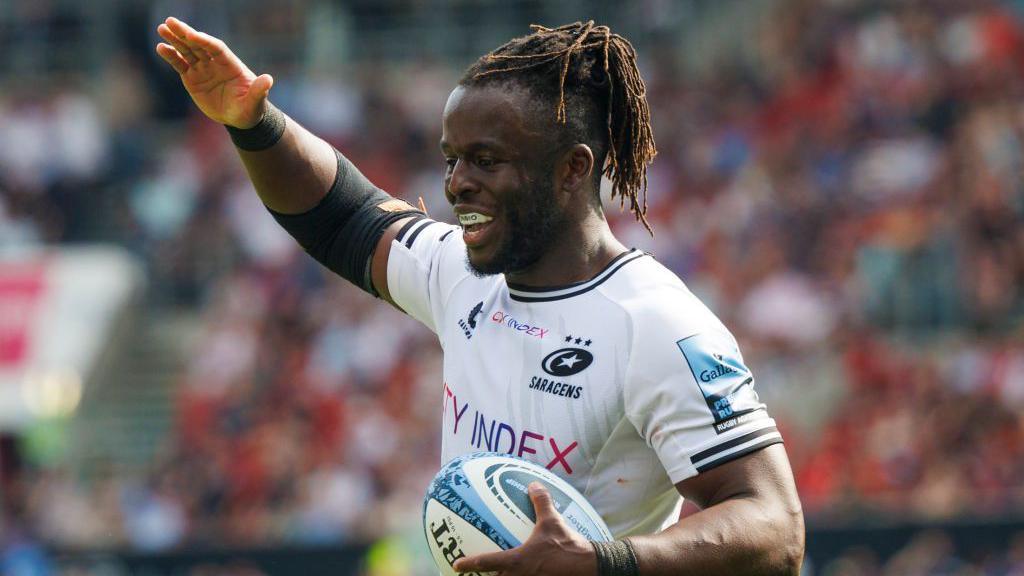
pixel 930 553
pixel 849 198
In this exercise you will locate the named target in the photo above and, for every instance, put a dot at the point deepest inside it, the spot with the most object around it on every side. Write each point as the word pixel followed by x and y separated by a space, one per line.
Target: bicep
pixel 415 266
pixel 750 522
pixel 379 262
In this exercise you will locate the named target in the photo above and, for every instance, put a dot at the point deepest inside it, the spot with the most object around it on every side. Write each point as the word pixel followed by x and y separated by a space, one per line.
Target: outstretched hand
pixel 220 84
pixel 553 548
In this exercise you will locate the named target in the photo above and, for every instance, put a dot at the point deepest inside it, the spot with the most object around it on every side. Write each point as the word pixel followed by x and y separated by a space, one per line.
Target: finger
pixel 179 28
pixel 172 57
pixel 191 36
pixel 187 35
pixel 213 46
pixel 489 562
pixel 179 45
pixel 543 505
pixel 205 46
pixel 167 34
pixel 260 87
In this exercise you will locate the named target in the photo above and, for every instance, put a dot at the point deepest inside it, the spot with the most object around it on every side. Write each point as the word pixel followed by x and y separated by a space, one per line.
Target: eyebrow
pixel 483 144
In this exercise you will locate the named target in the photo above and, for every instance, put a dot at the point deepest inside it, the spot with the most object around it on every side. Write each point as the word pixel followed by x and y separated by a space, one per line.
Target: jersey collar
pixel 522 293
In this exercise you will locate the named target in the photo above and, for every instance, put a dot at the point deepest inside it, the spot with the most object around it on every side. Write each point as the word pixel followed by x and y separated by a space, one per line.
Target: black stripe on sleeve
pixel 748 450
pixel 416 232
pixel 407 226
pixel 717 449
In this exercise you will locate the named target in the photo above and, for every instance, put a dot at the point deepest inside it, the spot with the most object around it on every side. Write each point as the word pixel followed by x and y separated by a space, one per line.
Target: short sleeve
pixel 426 261
pixel 690 394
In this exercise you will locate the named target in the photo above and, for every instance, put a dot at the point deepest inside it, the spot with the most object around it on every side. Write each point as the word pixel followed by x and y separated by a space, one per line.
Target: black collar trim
pixel 521 293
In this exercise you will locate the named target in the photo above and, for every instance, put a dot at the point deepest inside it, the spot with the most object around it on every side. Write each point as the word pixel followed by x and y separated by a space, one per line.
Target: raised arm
pixel 291 176
pixel 338 216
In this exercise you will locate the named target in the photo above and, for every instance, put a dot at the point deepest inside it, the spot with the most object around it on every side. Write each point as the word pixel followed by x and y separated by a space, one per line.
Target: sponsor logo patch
pixel 723 379
pixel 740 418
pixel 567 361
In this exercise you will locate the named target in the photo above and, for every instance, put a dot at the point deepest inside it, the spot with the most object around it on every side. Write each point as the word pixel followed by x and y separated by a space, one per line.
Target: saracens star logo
pixel 567 361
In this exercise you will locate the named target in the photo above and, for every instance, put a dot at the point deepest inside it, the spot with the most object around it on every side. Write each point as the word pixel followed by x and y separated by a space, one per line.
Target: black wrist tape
pixel 342 231
pixel 263 135
pixel 616 558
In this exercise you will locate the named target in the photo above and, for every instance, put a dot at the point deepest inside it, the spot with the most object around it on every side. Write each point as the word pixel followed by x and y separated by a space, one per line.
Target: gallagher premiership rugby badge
pixel 723 379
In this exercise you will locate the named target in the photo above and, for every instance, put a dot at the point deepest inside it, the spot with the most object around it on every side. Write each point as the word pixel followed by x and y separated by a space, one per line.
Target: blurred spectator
pixel 930 553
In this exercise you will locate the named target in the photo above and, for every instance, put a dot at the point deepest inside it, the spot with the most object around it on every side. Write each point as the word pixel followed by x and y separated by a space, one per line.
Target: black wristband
pixel 616 558
pixel 263 135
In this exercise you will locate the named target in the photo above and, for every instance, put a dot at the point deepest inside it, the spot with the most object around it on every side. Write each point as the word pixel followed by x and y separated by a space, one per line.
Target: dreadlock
pixel 597 76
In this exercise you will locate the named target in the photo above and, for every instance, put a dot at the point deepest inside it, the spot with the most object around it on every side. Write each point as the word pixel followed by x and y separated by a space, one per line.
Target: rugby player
pixel 562 346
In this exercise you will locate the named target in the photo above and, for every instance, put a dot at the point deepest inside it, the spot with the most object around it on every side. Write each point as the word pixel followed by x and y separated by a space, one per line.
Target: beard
pixel 532 225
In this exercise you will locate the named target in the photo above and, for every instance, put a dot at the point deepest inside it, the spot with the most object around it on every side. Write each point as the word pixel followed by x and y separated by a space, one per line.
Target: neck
pixel 582 250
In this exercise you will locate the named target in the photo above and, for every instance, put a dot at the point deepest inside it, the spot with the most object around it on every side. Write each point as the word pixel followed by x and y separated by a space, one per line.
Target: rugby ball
pixel 479 503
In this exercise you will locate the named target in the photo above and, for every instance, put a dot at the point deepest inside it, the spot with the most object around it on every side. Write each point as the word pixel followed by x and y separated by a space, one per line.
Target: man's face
pixel 498 179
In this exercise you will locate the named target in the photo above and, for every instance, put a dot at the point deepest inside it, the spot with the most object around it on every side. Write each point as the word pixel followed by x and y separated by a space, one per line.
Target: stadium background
pixel 183 392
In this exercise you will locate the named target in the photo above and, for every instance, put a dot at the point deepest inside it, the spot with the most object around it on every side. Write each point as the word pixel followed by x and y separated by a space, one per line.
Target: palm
pixel 220 89
pixel 220 84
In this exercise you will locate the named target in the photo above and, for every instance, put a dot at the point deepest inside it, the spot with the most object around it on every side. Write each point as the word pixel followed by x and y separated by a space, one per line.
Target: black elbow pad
pixel 342 231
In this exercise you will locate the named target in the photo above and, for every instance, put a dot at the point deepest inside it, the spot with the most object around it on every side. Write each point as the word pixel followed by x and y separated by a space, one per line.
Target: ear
pixel 577 166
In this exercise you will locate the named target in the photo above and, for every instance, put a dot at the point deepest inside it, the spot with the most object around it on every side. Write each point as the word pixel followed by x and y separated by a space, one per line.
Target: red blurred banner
pixel 21 288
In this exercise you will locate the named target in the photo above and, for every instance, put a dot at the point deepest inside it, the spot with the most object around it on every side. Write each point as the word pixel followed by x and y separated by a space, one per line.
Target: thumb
pixel 543 505
pixel 260 87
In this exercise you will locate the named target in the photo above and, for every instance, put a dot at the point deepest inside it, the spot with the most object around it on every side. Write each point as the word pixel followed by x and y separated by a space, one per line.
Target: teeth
pixel 473 218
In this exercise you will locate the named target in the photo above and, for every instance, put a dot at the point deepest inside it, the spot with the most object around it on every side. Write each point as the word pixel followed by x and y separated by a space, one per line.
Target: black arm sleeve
pixel 342 231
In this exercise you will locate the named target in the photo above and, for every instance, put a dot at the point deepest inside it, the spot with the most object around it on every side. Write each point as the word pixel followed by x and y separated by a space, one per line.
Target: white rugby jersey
pixel 623 385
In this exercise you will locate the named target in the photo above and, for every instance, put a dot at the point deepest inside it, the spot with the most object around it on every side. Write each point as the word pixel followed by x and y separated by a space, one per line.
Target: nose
pixel 460 181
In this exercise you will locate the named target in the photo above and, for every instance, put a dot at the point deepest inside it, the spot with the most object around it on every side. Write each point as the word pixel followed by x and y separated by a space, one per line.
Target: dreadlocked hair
pixel 601 98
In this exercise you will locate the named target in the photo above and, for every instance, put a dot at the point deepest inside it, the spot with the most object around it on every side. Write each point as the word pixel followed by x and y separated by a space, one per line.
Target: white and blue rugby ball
pixel 479 503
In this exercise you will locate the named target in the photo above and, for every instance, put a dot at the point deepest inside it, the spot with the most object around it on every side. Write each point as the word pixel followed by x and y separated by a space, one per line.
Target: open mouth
pixel 474 226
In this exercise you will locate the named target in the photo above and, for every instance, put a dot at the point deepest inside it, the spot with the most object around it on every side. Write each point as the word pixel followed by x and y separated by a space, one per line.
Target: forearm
pixel 293 175
pixel 319 197
pixel 738 536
